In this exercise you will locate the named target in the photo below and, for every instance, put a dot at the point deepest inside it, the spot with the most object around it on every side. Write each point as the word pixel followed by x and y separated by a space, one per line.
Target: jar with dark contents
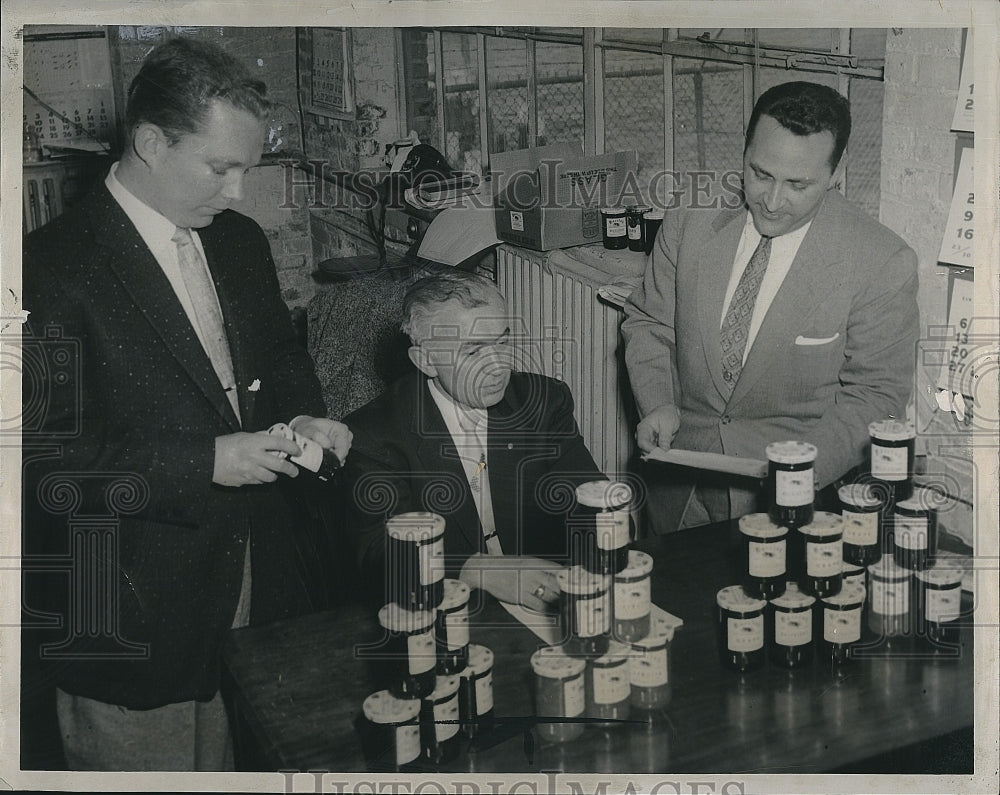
pixel 791 488
pixel 652 220
pixel 389 732
pixel 451 629
pixel 939 605
pixel 615 228
pixel 409 650
pixel 765 550
pixel 585 608
pixel 414 556
pixel 631 601
pixel 634 227
pixel 889 603
pixel 842 622
pixel 559 694
pixel 864 536
pixel 915 531
pixel 475 692
pixel 740 624
pixel 893 446
pixel 791 631
pixel 439 722
pixel 649 668
pixel 823 554
pixel 606 684
pixel 603 506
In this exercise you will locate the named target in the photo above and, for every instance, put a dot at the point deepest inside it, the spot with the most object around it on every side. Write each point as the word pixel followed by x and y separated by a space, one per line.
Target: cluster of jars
pixel 613 663
pixel 633 227
pixel 439 686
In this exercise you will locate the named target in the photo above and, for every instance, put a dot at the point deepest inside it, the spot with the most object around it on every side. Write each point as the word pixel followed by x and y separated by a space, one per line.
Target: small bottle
pixel 585 605
pixel 632 603
pixel 451 629
pixel 604 507
pixel 863 533
pixel 842 622
pixel 559 693
pixel 652 220
pixel 389 732
pixel 439 722
pixel 791 628
pixel 740 624
pixel 414 559
pixel 409 650
pixel 634 225
pixel 764 555
pixel 606 684
pixel 649 668
pixel 939 605
pixel 791 488
pixel 889 613
pixel 893 446
pixel 615 231
pixel 822 572
pixel 914 534
pixel 475 692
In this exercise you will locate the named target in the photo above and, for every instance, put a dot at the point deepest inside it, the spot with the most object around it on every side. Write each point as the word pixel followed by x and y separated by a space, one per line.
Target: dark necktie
pixel 736 324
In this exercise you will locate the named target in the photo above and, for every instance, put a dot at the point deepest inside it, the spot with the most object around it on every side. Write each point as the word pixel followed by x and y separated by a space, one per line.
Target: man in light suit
pixel 792 317
pixel 169 303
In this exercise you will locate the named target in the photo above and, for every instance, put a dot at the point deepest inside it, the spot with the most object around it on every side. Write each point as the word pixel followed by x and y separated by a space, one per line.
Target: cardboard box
pixel 551 196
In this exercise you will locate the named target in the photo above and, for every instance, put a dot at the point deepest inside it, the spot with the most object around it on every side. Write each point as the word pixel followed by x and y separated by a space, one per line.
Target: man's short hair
pixel 424 297
pixel 806 108
pixel 180 79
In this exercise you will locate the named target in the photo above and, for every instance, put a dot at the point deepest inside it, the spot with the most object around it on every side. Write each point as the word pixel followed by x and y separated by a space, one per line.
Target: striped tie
pixel 736 325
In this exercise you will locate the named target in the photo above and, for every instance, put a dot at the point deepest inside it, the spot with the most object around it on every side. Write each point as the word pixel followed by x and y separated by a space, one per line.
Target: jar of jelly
pixel 415 555
pixel 791 631
pixel 791 487
pixel 823 554
pixel 861 511
pixel 889 608
pixel 475 692
pixel 914 535
pixel 652 220
pixel 852 573
pixel 634 227
pixel 606 684
pixel 740 623
pixel 615 231
pixel 765 550
pixel 451 630
pixel 842 622
pixel 559 694
pixel 439 722
pixel 893 445
pixel 409 650
pixel 389 732
pixel 585 608
pixel 605 504
pixel 631 601
pixel 649 668
pixel 939 604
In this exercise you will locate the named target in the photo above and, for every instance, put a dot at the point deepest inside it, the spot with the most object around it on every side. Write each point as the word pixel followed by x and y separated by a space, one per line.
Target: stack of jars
pixel 439 685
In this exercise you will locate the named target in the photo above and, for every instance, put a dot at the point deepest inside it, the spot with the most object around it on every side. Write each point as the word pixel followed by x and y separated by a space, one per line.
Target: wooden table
pixel 298 686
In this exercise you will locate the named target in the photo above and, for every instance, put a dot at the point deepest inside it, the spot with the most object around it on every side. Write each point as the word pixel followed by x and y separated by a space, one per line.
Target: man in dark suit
pixel 792 317
pixel 496 453
pixel 169 303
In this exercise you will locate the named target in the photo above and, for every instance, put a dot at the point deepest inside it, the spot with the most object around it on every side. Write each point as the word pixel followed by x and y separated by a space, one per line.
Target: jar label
pixel 615 227
pixel 910 532
pixel 842 626
pixel 592 616
pixel 484 693
pixel 766 560
pixel 745 634
pixel 574 700
pixel 612 530
pixel 861 529
pixel 446 718
pixel 611 685
pixel 824 560
pixel 431 565
pixel 420 651
pixel 794 488
pixel 457 629
pixel 407 743
pixel 648 667
pixel 889 463
pixel 793 629
pixel 635 231
pixel 632 599
pixel 890 598
pixel 943 605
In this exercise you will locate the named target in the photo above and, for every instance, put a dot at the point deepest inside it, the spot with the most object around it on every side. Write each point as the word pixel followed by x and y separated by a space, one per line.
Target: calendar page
pixel 963 119
pixel 956 246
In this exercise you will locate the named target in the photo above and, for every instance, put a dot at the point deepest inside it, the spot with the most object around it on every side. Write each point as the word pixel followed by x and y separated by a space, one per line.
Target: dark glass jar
pixel 842 622
pixel 914 532
pixel 439 722
pixel 631 600
pixel 634 226
pixel 615 229
pixel 475 692
pixel 740 624
pixel 585 607
pixel 415 555
pixel 823 554
pixel 864 536
pixel 606 684
pixel 791 628
pixel 764 555
pixel 791 487
pixel 649 668
pixel 409 650
pixel 603 506
pixel 939 605
pixel 389 732
pixel 451 629
pixel 559 693
pixel 652 220
pixel 890 612
pixel 893 446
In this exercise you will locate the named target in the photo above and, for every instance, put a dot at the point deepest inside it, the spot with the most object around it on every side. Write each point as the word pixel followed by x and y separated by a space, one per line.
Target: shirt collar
pixel 155 229
pixel 789 238
pixel 461 420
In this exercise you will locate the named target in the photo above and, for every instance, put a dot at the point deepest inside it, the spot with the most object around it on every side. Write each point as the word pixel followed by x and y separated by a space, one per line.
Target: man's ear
pixel 149 142
pixel 421 360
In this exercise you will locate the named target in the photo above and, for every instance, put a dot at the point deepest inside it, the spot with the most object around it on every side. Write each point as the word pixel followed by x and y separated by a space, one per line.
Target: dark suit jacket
pixel 141 409
pixel 404 459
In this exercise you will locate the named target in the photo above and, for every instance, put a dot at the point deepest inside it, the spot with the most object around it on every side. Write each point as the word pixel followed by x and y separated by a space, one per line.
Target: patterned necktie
pixel 207 313
pixel 480 486
pixel 736 324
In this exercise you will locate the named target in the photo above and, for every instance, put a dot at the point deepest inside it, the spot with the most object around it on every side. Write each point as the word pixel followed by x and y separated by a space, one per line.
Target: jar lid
pixel 823 524
pixel 606 494
pixel 793 598
pixel 791 452
pixel 849 569
pixel 613 210
pixel 456 593
pixel 617 653
pixel 415 526
pixel 940 573
pixel 480 659
pixel 921 500
pixel 444 686
pixel 886 568
pixel 760 525
pixel 554 663
pixel 397 619
pixel 577 580
pixel 661 632
pixel 641 208
pixel 383 707
pixel 851 593
pixel 859 495
pixel 891 430
pixel 639 565
pixel 654 215
pixel 734 598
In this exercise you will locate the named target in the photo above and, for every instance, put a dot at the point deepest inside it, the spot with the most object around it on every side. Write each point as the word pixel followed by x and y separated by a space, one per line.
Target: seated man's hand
pixel 249 459
pixel 514 579
pixel 328 434
pixel 658 428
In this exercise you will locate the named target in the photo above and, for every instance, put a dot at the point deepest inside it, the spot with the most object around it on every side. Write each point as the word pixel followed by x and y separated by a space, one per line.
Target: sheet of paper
pixel 716 462
pixel 456 233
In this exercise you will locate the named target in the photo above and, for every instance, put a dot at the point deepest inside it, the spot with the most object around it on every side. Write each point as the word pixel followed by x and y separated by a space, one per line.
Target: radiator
pixel 567 333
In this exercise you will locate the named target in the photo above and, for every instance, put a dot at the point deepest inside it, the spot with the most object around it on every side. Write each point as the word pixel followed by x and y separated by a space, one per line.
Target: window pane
pixel 864 161
pixel 770 76
pixel 643 35
pixel 559 78
pixel 419 89
pixel 869 45
pixel 798 38
pixel 633 110
pixel 461 101
pixel 507 93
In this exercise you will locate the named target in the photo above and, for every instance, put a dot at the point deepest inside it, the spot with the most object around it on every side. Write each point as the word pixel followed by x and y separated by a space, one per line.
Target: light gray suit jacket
pixel 835 350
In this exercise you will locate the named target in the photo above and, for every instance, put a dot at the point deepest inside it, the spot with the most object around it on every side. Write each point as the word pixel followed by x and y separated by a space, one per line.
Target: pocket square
pixel 800 340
